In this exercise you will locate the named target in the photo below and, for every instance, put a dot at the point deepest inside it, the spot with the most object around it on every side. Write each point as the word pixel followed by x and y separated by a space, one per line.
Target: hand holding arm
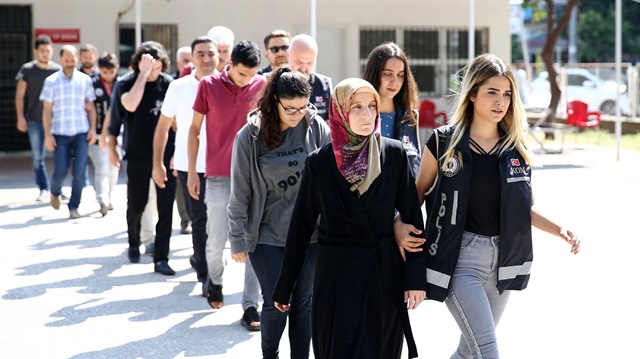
pixel 405 241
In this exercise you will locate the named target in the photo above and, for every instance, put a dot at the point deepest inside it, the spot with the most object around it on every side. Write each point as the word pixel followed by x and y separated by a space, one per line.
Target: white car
pixel 582 85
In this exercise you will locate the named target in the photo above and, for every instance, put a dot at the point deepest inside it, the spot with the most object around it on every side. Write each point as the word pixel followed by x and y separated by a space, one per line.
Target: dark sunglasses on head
pixel 275 49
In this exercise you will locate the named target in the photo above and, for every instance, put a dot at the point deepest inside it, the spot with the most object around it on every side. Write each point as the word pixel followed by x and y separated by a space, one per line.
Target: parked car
pixel 582 85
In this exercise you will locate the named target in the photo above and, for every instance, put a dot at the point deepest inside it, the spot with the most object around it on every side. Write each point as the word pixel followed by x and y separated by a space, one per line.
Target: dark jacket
pixel 320 93
pixel 447 209
pixel 408 134
pixel 102 101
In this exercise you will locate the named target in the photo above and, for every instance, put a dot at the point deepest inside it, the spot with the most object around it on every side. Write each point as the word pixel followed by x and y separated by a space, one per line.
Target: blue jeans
pixel 474 300
pixel 267 261
pixel 216 197
pixel 36 139
pixel 67 148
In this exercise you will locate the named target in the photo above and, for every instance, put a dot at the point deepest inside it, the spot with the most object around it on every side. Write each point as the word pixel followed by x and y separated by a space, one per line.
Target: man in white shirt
pixel 177 108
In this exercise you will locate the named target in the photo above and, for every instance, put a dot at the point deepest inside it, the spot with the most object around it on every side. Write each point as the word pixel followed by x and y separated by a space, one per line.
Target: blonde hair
pixel 514 123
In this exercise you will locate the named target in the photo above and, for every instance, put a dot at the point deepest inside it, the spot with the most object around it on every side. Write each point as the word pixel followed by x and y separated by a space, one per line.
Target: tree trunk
pixel 553 33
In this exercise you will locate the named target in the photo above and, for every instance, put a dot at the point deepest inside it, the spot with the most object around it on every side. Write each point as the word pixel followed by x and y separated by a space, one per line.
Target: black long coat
pixel 358 309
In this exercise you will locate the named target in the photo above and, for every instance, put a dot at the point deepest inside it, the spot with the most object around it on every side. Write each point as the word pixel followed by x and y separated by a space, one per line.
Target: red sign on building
pixel 61 36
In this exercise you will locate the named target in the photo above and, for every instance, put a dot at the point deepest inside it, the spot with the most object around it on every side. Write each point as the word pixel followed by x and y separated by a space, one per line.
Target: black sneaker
pixel 215 298
pixel 251 316
pixel 134 254
pixel 162 267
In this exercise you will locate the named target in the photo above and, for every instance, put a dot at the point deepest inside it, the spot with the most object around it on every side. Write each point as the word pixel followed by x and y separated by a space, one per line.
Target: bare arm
pixel 104 135
pixel 160 138
pixel 21 90
pixel 545 224
pixel 47 111
pixel 114 158
pixel 130 100
pixel 91 114
pixel 193 182
pixel 426 174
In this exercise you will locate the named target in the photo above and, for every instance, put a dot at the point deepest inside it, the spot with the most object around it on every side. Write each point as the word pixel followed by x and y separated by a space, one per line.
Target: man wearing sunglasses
pixel 276 44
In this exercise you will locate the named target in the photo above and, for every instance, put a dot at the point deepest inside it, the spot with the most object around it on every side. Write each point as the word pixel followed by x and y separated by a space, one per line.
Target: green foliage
pixel 596 30
pixel 539 12
pixel 516 49
pixel 596 36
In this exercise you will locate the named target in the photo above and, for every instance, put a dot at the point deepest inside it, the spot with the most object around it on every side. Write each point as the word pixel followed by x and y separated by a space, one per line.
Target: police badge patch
pixel 453 167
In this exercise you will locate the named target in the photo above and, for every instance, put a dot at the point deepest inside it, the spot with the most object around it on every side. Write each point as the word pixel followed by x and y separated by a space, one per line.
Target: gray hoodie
pixel 248 189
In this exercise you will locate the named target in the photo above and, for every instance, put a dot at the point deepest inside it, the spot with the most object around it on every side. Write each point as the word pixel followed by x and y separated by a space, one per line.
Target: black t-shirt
pixel 483 211
pixel 142 123
pixel 34 77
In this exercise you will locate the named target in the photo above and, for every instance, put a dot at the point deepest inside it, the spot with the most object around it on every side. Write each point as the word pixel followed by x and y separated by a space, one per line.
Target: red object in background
pixel 428 115
pixel 61 36
pixel 579 116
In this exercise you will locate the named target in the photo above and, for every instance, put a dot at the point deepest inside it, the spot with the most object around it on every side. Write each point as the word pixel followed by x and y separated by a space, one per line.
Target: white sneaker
pixel 43 196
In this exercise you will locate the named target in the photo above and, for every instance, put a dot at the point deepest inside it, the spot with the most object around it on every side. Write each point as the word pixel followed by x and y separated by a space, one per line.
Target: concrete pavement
pixel 67 289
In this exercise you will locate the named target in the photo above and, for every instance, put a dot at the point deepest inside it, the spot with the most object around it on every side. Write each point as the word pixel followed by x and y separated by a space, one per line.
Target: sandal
pixel 251 319
pixel 215 298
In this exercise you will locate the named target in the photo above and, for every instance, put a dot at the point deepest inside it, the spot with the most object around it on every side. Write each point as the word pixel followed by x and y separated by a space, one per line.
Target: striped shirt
pixel 69 97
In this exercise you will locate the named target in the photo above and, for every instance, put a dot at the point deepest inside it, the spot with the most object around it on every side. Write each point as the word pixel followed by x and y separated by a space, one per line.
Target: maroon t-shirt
pixel 225 106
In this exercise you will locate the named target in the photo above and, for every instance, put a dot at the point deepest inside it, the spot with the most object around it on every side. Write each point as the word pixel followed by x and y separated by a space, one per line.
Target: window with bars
pixel 435 54
pixel 167 35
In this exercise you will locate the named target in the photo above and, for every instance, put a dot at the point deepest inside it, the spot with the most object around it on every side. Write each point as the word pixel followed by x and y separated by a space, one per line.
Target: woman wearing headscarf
pixel 350 190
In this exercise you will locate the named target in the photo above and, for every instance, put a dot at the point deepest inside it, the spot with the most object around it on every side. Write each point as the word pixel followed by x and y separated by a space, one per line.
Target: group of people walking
pixel 318 190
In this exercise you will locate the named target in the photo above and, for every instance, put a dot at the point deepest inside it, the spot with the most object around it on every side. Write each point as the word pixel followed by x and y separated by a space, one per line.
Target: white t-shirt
pixel 178 103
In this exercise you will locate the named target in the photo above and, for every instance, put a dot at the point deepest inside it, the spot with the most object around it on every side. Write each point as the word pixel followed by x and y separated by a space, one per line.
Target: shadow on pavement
pixel 163 346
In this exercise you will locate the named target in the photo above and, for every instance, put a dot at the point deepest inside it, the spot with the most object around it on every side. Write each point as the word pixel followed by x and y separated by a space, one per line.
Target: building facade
pixel 434 33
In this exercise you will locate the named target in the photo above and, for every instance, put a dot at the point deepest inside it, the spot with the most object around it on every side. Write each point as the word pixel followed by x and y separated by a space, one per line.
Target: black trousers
pixel 197 210
pixel 139 175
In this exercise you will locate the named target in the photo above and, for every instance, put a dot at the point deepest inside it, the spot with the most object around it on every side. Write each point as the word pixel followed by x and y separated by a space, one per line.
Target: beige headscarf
pixel 357 157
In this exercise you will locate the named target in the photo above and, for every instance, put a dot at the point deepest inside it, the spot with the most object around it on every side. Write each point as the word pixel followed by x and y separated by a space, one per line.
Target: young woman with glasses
pixel 267 163
pixel 387 69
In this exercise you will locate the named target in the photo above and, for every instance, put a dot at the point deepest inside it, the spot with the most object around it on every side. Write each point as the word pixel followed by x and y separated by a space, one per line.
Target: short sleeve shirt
pixel 225 106
pixel 178 104
pixel 34 77
pixel 68 97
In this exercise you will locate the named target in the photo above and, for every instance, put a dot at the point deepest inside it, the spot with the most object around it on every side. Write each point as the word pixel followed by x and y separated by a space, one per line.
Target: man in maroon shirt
pixel 225 98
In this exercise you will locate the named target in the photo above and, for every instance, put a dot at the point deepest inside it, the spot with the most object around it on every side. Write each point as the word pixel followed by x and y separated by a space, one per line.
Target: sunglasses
pixel 291 110
pixel 276 49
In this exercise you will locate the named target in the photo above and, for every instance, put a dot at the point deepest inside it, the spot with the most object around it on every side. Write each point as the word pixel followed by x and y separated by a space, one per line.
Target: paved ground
pixel 67 289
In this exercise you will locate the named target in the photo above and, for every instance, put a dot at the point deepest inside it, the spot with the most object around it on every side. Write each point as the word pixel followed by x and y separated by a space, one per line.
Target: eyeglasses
pixel 275 49
pixel 291 110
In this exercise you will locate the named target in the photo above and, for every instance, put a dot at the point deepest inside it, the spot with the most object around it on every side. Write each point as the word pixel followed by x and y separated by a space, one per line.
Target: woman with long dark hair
pixel 387 69
pixel 267 163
